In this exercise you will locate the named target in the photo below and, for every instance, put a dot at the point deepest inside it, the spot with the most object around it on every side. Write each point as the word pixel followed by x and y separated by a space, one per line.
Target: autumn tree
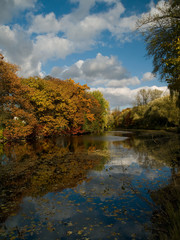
pixel 44 107
pixel 61 106
pixel 17 116
pixel 161 29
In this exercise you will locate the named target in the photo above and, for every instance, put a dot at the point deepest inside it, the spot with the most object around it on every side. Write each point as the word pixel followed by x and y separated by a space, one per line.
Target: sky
pixel 93 42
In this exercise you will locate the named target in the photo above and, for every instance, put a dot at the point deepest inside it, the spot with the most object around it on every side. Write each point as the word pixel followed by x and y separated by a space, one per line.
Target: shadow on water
pixel 120 185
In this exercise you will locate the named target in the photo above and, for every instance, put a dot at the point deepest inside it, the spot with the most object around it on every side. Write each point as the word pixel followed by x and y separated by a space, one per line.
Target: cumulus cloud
pixel 31 54
pixel 16 42
pixel 49 37
pixel 148 76
pixel 124 82
pixel 104 70
pixel 81 25
pixel 18 48
pixel 45 24
pixel 11 8
pixel 50 46
pixel 103 67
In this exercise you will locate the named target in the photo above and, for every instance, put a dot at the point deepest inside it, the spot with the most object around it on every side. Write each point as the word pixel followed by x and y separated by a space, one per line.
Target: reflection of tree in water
pixel 46 166
pixel 54 165
pixel 155 149
pixel 166 220
pixel 163 147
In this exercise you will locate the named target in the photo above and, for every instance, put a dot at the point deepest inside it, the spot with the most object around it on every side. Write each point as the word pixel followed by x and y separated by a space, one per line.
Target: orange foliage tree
pixel 19 120
pixel 44 107
pixel 60 106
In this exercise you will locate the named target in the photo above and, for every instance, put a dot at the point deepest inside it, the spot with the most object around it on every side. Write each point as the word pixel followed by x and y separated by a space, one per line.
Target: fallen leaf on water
pixel 69 233
pixel 80 232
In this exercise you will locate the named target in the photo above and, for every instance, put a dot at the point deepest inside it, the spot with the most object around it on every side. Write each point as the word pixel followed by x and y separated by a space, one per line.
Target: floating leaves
pixel 64 190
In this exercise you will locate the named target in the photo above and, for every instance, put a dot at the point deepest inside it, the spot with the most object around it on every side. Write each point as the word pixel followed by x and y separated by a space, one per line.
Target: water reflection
pixel 86 187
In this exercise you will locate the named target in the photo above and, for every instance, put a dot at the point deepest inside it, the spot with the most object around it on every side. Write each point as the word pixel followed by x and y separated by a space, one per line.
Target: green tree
pixel 100 110
pixel 161 30
pixel 144 96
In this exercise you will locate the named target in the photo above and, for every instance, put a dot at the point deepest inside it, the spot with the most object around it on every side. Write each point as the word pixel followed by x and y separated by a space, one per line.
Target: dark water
pixel 121 185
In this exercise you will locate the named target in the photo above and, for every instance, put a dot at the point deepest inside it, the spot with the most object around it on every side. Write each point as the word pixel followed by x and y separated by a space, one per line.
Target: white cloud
pixel 148 76
pixel 18 48
pixel 123 82
pixel 16 42
pixel 10 8
pixel 80 25
pixel 123 97
pixel 45 24
pixel 28 54
pixel 155 10
pixel 79 31
pixel 50 46
pixel 56 38
pixel 104 70
pixel 103 67
pixel 50 37
pixel 117 97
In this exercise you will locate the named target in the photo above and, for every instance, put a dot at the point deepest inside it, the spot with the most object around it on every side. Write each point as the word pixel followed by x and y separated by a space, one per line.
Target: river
pixel 119 185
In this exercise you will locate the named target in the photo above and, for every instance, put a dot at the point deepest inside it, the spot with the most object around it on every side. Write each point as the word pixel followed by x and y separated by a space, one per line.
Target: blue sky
pixel 90 41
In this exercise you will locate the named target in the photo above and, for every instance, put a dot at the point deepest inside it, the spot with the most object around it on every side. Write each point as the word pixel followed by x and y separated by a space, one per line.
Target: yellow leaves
pixel 69 233
pixel 80 232
pixel 90 117
pixel 47 106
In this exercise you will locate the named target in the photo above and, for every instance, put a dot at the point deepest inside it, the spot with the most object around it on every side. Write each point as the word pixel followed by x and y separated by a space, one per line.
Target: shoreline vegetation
pixel 34 107
pixel 37 107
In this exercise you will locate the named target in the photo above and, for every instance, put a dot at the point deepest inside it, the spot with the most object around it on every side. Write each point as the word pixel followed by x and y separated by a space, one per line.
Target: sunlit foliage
pixel 17 113
pixel 100 111
pixel 33 107
pixel 159 113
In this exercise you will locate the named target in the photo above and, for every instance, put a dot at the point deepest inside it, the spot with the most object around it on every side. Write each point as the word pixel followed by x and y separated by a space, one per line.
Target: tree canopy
pixel 144 96
pixel 161 29
pixel 35 107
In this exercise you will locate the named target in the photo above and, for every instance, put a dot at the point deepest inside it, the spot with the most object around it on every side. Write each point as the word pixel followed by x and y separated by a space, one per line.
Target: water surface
pixel 114 186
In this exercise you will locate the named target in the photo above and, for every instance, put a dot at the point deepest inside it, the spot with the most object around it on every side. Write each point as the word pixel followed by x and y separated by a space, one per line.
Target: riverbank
pixel 140 132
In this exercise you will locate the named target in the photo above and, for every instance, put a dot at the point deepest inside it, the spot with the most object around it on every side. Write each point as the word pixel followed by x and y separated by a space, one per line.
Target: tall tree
pixel 100 110
pixel 161 29
pixel 17 116
pixel 144 96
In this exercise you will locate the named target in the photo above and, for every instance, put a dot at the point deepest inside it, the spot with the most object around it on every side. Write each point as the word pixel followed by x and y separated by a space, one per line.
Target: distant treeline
pixel 151 111
pixel 41 107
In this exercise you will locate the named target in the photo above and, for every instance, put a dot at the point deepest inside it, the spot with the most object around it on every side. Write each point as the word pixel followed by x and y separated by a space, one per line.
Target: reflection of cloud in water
pixel 43 208
pixel 152 175
pixel 65 217
pixel 121 170
pixel 98 202
pixel 53 207
pixel 123 161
